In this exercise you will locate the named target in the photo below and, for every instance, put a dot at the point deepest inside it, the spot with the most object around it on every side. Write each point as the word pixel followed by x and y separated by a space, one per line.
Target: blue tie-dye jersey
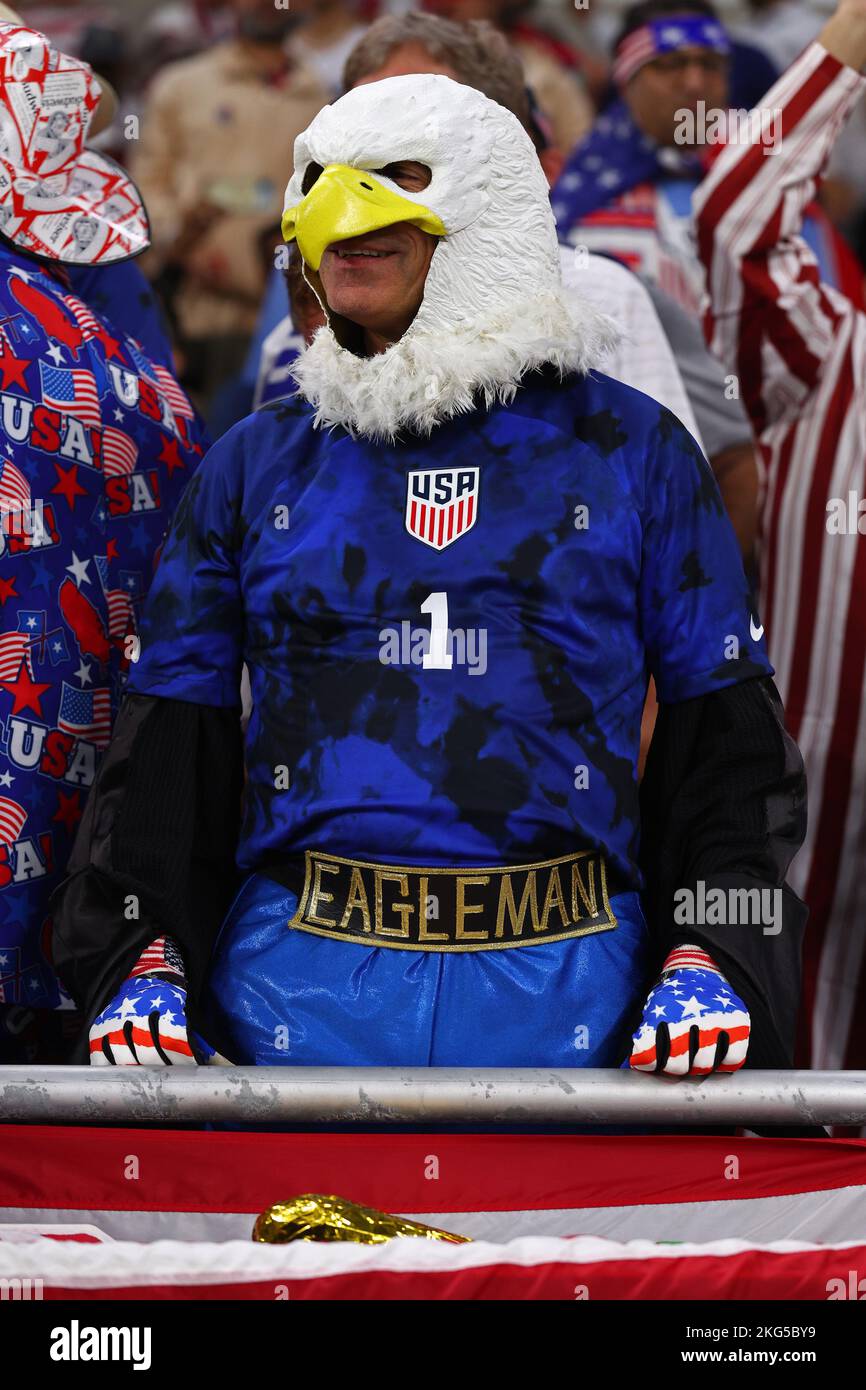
pixel 589 548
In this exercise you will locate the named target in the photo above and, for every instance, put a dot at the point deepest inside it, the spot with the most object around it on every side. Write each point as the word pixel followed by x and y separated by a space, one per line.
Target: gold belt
pixel 456 909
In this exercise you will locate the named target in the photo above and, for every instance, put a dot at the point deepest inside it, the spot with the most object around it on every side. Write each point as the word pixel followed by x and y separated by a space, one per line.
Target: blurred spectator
pixel 628 187
pixel 215 152
pixel 552 68
pixel 327 34
pixel 177 30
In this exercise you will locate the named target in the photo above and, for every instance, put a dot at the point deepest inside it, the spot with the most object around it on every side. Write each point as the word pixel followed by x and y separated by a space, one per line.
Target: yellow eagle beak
pixel 346 202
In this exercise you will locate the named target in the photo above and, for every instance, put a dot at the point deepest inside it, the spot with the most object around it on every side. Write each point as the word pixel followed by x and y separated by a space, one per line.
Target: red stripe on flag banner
pixel 226 1172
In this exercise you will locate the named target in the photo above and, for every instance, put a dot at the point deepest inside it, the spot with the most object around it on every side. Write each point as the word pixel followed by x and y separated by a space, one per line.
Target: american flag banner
pixel 87 322
pixel 173 392
pixel 163 381
pixel 102 569
pixel 119 452
pixel 14 488
pixel 550 1217
pixel 15 648
pixel 58 648
pixel 143 364
pixel 33 622
pixel 86 714
pixel 74 392
pixel 120 613
pixel 12 818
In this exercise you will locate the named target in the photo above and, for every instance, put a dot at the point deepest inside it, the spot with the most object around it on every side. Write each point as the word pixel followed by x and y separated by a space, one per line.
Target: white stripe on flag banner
pixel 809 1216
pixel 409 1268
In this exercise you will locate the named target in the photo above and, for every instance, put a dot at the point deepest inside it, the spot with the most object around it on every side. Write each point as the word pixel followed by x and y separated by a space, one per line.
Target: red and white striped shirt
pixel 798 348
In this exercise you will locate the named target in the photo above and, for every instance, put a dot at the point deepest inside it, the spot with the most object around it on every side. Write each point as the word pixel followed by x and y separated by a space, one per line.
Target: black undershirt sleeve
pixel 155 851
pixel 723 801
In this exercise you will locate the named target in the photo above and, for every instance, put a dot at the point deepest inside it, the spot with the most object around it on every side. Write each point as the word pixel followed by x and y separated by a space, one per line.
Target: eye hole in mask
pixel 311 173
pixel 406 173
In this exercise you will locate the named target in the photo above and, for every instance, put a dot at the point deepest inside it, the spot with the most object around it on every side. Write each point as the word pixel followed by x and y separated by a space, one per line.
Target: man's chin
pixel 356 311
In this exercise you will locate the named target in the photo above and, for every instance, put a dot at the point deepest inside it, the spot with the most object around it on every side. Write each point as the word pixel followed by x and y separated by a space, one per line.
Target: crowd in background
pixel 217 92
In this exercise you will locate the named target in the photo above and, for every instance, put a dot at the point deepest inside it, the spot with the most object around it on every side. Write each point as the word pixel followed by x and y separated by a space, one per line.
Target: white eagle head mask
pixel 494 306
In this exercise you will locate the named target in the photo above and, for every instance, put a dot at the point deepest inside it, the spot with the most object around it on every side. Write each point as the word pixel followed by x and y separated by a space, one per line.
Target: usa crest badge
pixel 441 504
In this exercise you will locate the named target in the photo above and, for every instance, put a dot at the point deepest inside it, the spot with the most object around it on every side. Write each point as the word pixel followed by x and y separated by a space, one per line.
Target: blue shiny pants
pixel 277 996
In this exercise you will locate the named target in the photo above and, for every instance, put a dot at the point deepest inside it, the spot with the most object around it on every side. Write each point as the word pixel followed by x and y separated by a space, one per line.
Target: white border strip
pixel 126 1264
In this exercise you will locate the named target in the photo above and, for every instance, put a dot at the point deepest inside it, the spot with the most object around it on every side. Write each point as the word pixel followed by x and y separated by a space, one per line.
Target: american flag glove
pixel 693 1023
pixel 145 1023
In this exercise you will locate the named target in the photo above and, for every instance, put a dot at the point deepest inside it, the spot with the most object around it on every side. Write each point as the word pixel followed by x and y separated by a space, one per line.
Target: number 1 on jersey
pixel 437 658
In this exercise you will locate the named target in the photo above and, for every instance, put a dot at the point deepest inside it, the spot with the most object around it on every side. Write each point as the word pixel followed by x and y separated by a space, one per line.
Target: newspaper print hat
pixel 58 200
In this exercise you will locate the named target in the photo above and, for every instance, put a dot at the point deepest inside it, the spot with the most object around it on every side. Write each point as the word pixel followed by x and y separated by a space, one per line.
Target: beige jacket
pixel 214 131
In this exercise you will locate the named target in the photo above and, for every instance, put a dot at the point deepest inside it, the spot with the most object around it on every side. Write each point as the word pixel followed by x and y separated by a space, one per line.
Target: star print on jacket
pixel 97 442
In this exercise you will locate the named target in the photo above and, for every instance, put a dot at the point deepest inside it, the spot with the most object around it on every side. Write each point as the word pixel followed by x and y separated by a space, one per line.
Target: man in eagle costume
pixel 450 562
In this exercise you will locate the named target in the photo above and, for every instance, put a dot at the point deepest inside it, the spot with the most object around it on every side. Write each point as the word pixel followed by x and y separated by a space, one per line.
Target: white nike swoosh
pixel 757 632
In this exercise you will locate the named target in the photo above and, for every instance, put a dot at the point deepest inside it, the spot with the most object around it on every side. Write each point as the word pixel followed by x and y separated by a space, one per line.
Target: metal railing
pixel 434 1095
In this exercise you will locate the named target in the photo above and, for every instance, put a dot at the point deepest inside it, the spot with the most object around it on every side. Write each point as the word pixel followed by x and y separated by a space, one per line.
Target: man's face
pixel 377 280
pixel 673 83
pixel 386 290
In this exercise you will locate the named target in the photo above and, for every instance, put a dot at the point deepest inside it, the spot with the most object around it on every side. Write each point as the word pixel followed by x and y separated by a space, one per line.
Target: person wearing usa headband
pixel 626 189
